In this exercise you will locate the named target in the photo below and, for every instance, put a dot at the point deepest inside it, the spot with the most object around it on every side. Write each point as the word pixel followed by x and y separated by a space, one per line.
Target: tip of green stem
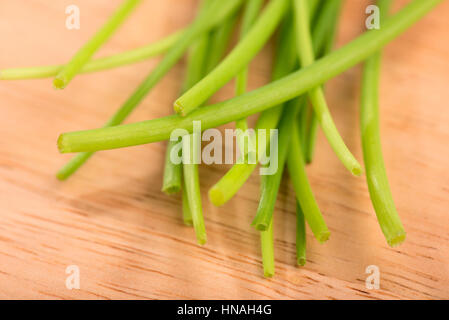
pixel 301 261
pixel 179 109
pixel 357 170
pixel 202 240
pixel 171 189
pixel 61 176
pixel 323 236
pixel 260 226
pixel 308 159
pixel 397 239
pixel 216 196
pixel 59 82
pixel 268 273
pixel 62 145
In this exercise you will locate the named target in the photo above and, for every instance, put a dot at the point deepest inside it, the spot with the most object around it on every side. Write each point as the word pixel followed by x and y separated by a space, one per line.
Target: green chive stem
pixel 316 95
pixel 186 212
pixel 270 183
pixel 249 17
pixel 109 62
pixel 219 42
pixel 376 175
pixel 300 236
pixel 330 13
pixel 267 244
pixel 303 191
pixel 192 186
pixel 72 68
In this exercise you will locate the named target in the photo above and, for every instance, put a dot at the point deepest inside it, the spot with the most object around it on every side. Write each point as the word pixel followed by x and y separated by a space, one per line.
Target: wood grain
pixel 127 237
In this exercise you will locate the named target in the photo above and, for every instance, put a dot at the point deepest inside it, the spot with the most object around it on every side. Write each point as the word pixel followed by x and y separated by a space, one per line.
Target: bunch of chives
pixel 282 104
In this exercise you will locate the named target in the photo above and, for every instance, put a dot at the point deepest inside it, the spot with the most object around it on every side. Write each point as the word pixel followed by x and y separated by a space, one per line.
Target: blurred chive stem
pixel 303 191
pixel 316 95
pixel 376 175
pixel 78 61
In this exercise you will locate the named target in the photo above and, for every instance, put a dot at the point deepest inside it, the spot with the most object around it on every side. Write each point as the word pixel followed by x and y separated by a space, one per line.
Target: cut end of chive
pixel 216 196
pixel 62 176
pixel 202 240
pixel 171 189
pixel 397 239
pixel 179 108
pixel 260 226
pixel 301 261
pixel 323 236
pixel 357 170
pixel 62 145
pixel 59 82
pixel 268 274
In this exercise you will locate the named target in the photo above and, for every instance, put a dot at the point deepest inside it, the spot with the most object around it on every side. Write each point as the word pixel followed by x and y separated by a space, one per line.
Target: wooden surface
pixel 127 237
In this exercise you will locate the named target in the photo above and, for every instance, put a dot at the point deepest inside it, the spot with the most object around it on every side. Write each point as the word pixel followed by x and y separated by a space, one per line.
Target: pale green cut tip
pixel 357 170
pixel 202 240
pixel 323 236
pixel 397 239
pixel 171 189
pixel 59 82
pixel 62 145
pixel 261 226
pixel 179 109
pixel 216 196
pixel 301 261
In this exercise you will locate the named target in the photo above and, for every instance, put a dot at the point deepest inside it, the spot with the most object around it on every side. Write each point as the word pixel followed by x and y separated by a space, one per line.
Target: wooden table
pixel 128 239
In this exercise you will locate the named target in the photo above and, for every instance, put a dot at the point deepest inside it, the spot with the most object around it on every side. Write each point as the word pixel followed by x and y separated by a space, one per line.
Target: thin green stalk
pixel 331 13
pixel 267 244
pixel 219 42
pixel 172 180
pixel 251 11
pixel 255 101
pixel 303 191
pixel 192 186
pixel 195 71
pixel 83 55
pixel 218 12
pixel 376 175
pixel 316 95
pixel 233 180
pixel 109 62
pixel 186 212
pixel 236 60
pixel 300 236
pixel 72 165
pixel 270 183
pixel 303 118
pixel 285 63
